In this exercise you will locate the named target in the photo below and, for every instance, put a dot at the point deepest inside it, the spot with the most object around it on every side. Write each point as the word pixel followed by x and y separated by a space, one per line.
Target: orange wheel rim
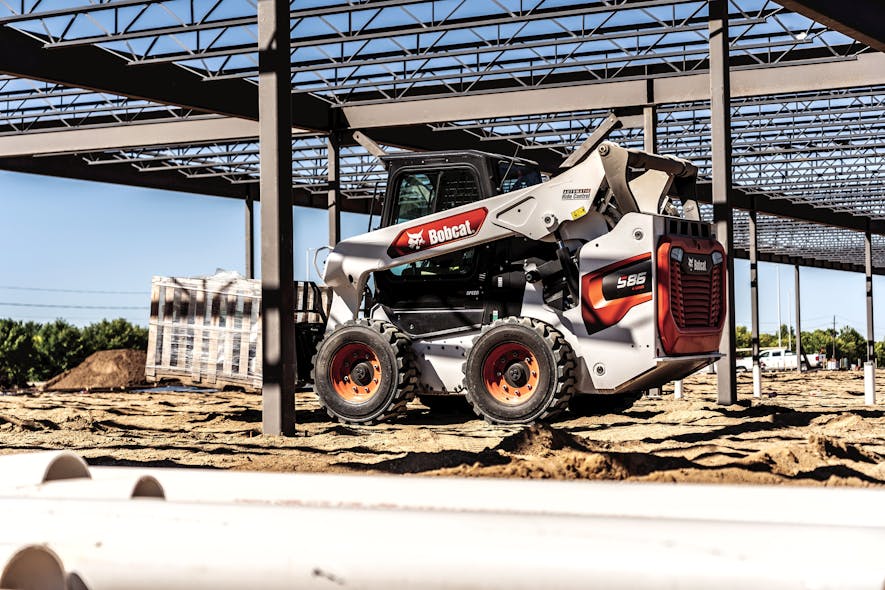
pixel 510 373
pixel 355 372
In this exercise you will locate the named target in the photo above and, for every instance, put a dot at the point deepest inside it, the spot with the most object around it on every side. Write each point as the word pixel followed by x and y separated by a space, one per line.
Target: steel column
pixel 277 274
pixel 333 204
pixel 796 286
pixel 650 128
pixel 650 144
pixel 754 305
pixel 869 370
pixel 250 230
pixel 720 118
pixel 868 267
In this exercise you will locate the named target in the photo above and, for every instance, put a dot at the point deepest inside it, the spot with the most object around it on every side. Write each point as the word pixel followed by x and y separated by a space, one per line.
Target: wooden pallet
pixel 207 331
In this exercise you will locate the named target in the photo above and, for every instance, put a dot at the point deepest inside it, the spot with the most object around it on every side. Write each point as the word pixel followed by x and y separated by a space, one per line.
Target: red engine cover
pixel 691 295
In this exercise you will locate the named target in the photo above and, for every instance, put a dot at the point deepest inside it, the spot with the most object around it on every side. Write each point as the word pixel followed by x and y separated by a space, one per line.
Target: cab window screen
pixel 515 176
pixel 425 193
pixel 414 196
pixel 456 187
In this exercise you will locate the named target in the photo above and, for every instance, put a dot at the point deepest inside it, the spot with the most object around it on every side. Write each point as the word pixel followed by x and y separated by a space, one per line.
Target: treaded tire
pixel 391 356
pixel 553 386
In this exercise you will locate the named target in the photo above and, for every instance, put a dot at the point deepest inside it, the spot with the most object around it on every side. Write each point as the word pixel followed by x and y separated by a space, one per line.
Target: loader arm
pixel 536 212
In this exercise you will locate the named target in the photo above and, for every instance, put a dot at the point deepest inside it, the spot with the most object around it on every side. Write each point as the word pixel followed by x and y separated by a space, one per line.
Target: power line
pixel 51 290
pixel 14 304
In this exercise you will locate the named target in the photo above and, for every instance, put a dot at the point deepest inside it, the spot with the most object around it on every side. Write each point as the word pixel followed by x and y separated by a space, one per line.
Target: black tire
pixel 446 404
pixel 495 394
pixel 379 348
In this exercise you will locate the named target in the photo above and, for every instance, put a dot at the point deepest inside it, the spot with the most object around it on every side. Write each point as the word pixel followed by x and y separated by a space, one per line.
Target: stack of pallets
pixel 206 331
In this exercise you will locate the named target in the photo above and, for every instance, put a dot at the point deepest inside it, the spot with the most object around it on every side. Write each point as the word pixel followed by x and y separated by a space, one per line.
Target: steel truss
pixel 820 148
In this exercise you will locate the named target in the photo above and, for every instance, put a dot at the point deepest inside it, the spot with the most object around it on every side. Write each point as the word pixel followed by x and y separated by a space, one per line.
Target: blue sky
pixel 60 236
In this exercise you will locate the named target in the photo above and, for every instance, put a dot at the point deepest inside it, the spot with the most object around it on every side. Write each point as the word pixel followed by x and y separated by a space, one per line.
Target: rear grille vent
pixel 693 229
pixel 696 299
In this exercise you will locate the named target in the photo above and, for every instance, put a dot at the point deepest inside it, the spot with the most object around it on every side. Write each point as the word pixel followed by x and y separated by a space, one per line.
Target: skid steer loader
pixel 485 281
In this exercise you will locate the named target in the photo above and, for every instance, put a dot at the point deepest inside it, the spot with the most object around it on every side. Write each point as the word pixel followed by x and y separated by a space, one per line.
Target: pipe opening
pixel 66 466
pixel 147 486
pixel 33 568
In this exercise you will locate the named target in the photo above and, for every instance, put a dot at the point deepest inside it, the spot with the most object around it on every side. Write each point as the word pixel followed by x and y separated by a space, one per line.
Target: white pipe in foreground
pixel 147 545
pixel 869 383
pixel 31 469
pixel 677 390
pixel 118 485
pixel 30 567
pixel 768 504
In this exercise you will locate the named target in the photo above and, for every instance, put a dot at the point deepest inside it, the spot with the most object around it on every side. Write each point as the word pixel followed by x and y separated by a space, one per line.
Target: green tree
pixel 17 353
pixel 817 341
pixel 58 346
pixel 851 345
pixel 113 334
pixel 742 337
pixel 879 348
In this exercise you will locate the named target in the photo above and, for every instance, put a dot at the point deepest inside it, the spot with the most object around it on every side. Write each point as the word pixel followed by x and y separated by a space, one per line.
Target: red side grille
pixel 696 300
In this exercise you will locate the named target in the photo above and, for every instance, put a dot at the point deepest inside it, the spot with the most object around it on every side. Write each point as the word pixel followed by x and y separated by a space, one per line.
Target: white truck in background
pixel 779 359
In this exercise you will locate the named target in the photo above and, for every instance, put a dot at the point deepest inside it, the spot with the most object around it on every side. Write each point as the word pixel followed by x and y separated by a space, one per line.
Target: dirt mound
pixel 104 370
pixel 538 439
pixel 569 465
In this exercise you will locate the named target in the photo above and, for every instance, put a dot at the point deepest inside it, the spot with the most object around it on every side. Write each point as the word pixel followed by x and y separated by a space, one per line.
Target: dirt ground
pixel 809 430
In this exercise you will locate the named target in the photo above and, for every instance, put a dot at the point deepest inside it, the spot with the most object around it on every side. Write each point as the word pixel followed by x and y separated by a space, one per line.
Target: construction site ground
pixel 808 429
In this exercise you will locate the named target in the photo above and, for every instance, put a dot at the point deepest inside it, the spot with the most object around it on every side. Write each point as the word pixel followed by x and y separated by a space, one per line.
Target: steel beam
pixel 868 271
pixel 69 166
pixel 754 304
pixel 96 69
pixel 122 136
pixel 869 369
pixel 249 218
pixel 867 70
pixel 650 119
pixel 806 261
pixel 650 144
pixel 796 285
pixel 333 203
pixel 859 19
pixel 720 115
pixel 743 199
pixel 277 263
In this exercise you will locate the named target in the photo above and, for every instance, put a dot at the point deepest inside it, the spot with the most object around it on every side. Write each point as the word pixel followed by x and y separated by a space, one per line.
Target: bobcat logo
pixel 416 240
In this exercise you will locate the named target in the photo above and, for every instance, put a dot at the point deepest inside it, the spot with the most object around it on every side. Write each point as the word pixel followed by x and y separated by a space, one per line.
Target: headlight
pixel 677 254
pixel 717 258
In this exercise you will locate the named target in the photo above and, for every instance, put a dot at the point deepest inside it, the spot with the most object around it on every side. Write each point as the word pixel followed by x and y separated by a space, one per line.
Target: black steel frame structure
pixel 781 104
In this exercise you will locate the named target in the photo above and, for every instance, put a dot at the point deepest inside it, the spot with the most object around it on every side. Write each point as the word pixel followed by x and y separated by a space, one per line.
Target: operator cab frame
pixel 470 286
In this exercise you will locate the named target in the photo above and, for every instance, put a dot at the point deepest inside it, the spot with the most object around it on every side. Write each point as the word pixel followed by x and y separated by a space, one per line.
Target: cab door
pixel 443 294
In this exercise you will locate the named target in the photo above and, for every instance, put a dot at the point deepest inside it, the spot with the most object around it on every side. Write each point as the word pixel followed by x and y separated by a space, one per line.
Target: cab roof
pixel 451 156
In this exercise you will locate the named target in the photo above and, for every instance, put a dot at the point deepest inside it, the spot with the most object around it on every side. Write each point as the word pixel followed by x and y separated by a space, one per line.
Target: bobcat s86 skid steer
pixel 518 293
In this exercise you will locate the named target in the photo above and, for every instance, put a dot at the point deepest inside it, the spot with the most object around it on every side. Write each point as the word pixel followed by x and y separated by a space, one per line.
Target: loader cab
pixel 449 293
pixel 421 184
